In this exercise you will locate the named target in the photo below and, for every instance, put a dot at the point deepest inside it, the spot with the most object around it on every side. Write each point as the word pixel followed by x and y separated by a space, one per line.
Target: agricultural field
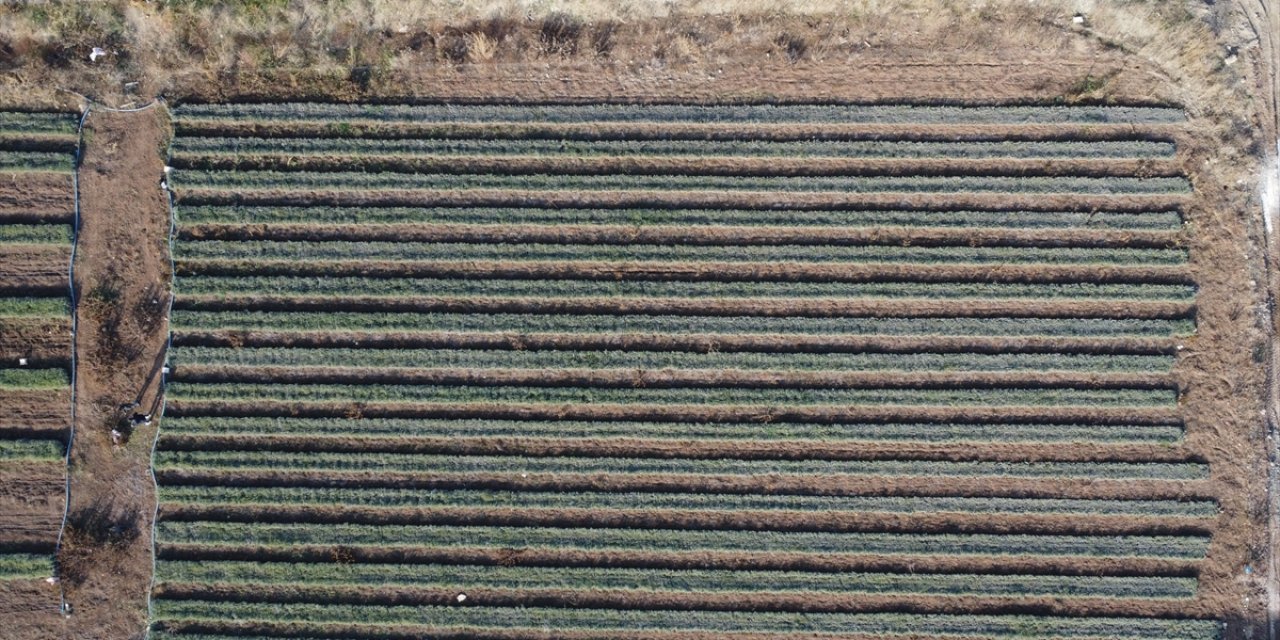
pixel 659 370
pixel 37 211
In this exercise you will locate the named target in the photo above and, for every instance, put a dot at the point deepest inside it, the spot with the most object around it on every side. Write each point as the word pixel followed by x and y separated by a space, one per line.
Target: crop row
pixel 190 319
pixel 33 378
pixel 22 161
pixel 34 307
pixel 479 498
pixel 30 450
pixel 25 566
pixel 39 123
pixel 297 180
pixel 694 396
pixel 515 464
pixel 673 113
pixel 191 150
pixel 170 532
pixel 499 289
pixel 673 253
pixel 568 429
pixel 35 233
pixel 244 215
pixel 471 358
pixel 531 618
pixel 464 577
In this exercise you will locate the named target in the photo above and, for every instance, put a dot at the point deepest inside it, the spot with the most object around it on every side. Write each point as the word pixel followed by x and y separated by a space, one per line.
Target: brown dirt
pixel 682 131
pixel 675 378
pixel 36 409
pixel 826 485
pixel 700 166
pixel 106 557
pixel 697 343
pixel 31 499
pixel 770 561
pixel 680 413
pixel 36 197
pixel 43 341
pixel 830 521
pixel 685 235
pixel 34 269
pixel 636 448
pixel 691 601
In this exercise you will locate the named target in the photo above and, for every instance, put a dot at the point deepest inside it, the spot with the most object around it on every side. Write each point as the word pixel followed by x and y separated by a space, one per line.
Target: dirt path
pixel 122 279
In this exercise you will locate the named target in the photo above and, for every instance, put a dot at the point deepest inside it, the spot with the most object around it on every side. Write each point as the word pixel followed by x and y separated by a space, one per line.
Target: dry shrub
pixel 796 47
pixel 480 48
pixel 454 48
pixel 559 33
pixel 604 37
pixel 95 535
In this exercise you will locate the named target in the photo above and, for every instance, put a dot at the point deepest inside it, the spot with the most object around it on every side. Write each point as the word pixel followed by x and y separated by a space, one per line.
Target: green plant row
pixel 36 161
pixel 670 113
pixel 339 180
pixel 701 396
pixel 521 324
pixel 15 122
pixel 525 251
pixel 25 566
pixel 194 149
pixel 208 214
pixel 35 233
pixel 675 540
pixel 513 464
pixel 644 501
pixel 33 378
pixel 469 358
pixel 467 577
pixel 532 618
pixel 768 431
pixel 35 307
pixel 340 287
pixel 31 450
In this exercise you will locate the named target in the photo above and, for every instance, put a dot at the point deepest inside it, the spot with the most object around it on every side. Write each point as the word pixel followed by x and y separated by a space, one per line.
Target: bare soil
pixel 122 272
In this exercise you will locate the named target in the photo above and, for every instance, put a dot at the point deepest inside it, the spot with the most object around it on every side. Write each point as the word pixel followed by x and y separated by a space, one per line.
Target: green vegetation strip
pixel 750 114
pixel 31 450
pixel 33 378
pixel 15 122
pixel 769 431
pixel 419 498
pixel 454 358
pixel 36 161
pixel 679 325
pixel 678 396
pixel 25 566
pixel 339 287
pixel 463 577
pixel 242 180
pixel 35 307
pixel 35 233
pixel 521 251
pixel 442 618
pixel 1156 220
pixel 190 149
pixel 675 540
pixel 513 464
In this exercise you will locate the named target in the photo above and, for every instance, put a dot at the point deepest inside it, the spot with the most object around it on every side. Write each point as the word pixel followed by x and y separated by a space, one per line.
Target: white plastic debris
pixel 97 52
pixel 1078 18
pixel 462 597
pixel 22 362
pixel 52 579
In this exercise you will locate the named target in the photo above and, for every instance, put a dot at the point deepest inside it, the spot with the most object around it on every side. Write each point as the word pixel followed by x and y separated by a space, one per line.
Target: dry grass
pixel 169 47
